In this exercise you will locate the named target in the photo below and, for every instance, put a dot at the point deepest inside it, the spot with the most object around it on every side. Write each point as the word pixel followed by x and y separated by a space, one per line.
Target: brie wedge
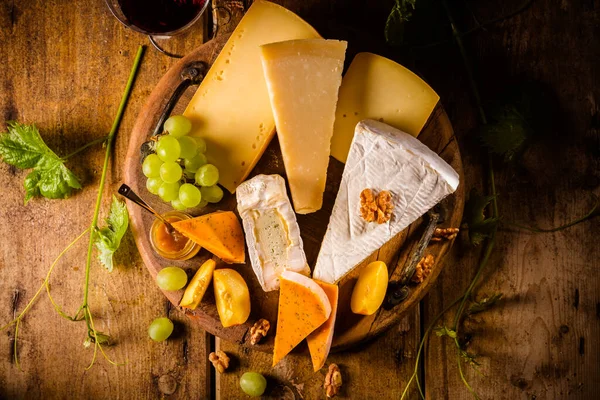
pixel 381 158
pixel 272 232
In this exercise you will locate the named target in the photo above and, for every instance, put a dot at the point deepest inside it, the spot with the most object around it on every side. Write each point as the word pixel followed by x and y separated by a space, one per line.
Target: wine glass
pixel 159 19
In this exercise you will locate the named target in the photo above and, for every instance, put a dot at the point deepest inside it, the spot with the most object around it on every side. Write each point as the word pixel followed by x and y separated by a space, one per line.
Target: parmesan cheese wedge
pixel 303 78
pixel 319 342
pixel 303 307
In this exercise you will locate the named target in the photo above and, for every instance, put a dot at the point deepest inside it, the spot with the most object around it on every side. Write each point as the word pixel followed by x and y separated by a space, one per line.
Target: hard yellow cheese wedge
pixel 219 232
pixel 303 307
pixel 303 78
pixel 319 342
pixel 375 87
pixel 231 108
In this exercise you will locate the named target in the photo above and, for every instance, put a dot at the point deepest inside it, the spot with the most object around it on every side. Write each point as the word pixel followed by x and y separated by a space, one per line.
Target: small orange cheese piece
pixel 319 342
pixel 303 307
pixel 219 232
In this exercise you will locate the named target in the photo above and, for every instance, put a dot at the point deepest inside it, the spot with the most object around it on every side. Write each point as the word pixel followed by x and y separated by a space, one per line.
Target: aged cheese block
pixel 231 108
pixel 272 233
pixel 219 232
pixel 303 78
pixel 375 87
pixel 381 158
pixel 319 342
pixel 303 307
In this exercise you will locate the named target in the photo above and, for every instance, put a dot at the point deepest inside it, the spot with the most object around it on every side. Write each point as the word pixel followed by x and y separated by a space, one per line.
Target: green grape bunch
pixel 179 172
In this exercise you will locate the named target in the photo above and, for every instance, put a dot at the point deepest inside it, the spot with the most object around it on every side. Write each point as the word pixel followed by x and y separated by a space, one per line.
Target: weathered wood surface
pixel 541 342
pixel 65 65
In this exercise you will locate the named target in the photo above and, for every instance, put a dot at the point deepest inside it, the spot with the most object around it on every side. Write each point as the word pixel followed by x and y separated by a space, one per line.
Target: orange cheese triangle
pixel 303 307
pixel 219 232
pixel 319 342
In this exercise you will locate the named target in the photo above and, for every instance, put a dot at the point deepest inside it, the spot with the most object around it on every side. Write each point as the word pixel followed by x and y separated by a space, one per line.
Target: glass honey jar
pixel 172 245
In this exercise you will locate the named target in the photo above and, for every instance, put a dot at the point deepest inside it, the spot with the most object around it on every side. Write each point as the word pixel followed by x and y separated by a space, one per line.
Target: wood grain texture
pixel 541 341
pixel 65 65
pixel 378 369
pixel 62 71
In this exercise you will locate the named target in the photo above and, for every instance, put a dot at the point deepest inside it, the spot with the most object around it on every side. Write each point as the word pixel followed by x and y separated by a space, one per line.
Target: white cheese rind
pixel 381 158
pixel 264 196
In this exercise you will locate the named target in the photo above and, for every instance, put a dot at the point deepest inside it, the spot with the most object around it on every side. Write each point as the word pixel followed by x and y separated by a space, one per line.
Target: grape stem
pixel 90 144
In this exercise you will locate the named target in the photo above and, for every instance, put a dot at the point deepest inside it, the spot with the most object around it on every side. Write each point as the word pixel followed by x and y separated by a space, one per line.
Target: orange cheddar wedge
pixel 219 232
pixel 303 307
pixel 319 342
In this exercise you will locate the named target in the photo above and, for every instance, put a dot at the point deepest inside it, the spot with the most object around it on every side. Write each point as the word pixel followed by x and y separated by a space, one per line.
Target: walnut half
pixel 376 208
pixel 259 330
pixel 333 381
pixel 219 360
pixel 423 268
pixel 444 234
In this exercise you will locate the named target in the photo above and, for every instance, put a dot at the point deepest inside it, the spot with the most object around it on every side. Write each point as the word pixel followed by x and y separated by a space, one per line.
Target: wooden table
pixel 64 66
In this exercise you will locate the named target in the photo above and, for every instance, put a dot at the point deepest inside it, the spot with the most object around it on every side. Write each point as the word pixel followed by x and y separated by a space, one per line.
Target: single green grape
pixel 168 148
pixel 151 166
pixel 253 384
pixel 171 278
pixel 201 143
pixel 178 125
pixel 152 184
pixel 189 148
pixel 189 195
pixel 176 204
pixel 170 172
pixel 160 329
pixel 207 175
pixel 193 164
pixel 169 191
pixel 212 194
pixel 203 203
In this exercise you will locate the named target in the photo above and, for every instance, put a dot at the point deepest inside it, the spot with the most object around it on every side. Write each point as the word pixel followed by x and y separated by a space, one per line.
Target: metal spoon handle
pixel 129 194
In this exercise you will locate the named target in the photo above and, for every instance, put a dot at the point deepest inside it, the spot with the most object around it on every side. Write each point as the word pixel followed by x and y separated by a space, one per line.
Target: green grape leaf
pixel 399 15
pixel 108 239
pixel 484 304
pixel 479 226
pixel 23 147
pixel 445 331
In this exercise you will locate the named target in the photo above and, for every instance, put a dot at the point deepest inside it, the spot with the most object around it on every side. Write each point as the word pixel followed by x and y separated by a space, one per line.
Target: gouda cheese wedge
pixel 319 342
pixel 375 87
pixel 219 232
pixel 303 307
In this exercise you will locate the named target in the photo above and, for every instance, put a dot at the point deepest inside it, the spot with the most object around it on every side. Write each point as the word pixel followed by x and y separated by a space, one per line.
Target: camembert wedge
pixel 319 342
pixel 303 307
pixel 272 233
pixel 303 78
pixel 381 158
pixel 219 232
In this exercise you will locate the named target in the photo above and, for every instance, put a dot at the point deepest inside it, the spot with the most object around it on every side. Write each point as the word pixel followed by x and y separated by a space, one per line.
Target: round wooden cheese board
pixel 350 328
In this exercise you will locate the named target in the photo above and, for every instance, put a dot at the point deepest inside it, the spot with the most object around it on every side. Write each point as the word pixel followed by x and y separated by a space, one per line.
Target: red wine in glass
pixel 161 16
